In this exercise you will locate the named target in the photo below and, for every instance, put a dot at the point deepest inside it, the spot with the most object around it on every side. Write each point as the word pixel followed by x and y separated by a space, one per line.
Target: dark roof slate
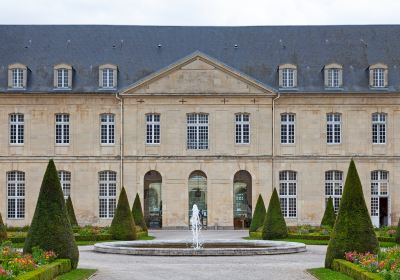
pixel 134 49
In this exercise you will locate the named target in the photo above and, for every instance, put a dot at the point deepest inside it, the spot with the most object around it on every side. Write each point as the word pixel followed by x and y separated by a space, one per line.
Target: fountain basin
pixel 209 247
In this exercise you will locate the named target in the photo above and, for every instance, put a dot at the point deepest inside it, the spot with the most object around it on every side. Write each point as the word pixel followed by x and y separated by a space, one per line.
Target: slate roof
pixel 260 49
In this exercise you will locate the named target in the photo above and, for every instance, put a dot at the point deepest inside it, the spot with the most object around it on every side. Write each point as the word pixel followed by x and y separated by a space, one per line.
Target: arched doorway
pixel 152 199
pixel 242 202
pixel 197 187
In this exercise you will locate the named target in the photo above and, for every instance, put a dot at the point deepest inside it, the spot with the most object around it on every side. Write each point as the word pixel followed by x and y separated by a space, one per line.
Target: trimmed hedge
pixel 329 215
pixel 259 215
pixel 48 271
pixel 137 213
pixel 397 239
pixel 354 271
pixel 3 230
pixel 274 224
pixel 71 212
pixel 123 225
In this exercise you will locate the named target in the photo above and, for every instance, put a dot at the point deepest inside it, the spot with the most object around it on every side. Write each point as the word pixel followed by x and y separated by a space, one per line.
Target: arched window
pixel 334 186
pixel 242 199
pixel 198 194
pixel 107 193
pixel 288 193
pixel 152 199
pixel 15 195
pixel 65 181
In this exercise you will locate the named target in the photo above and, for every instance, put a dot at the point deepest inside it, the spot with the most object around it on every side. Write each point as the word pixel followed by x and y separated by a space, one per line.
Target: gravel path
pixel 245 267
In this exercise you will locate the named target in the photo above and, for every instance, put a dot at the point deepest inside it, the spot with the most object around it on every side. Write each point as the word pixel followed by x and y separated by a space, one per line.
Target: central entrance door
pixel 242 195
pixel 197 187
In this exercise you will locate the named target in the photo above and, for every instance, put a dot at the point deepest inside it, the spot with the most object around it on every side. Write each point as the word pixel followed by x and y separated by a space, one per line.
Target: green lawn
pixel 327 274
pixel 77 274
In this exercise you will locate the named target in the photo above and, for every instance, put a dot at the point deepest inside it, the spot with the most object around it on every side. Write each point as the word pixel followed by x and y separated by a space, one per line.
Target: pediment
pixel 198 74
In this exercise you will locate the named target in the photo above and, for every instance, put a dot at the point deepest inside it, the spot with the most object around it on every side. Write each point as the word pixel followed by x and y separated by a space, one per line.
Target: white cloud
pixel 200 12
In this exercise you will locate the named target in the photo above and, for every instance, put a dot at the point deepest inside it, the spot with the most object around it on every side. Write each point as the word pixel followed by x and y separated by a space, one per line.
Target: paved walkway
pixel 278 267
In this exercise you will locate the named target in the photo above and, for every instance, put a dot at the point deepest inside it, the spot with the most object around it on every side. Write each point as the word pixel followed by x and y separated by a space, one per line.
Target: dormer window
pixel 378 76
pixel 63 76
pixel 287 76
pixel 17 76
pixel 108 76
pixel 333 76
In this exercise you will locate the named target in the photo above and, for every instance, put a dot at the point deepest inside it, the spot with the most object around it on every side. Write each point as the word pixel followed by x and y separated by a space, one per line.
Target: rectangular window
pixel 333 77
pixel 17 78
pixel 287 128
pixel 379 128
pixel 62 78
pixel 108 78
pixel 152 129
pixel 16 129
pixel 379 188
pixel 288 193
pixel 333 128
pixel 65 180
pixel 197 131
pixel 107 129
pixel 378 77
pixel 107 194
pixel 287 77
pixel 242 128
pixel 62 129
pixel 15 195
pixel 334 187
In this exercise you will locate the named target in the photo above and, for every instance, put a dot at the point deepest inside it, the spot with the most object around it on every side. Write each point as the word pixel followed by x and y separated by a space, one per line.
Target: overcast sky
pixel 200 12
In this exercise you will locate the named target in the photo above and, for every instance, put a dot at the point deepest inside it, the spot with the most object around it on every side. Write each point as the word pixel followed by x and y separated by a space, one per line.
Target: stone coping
pixel 155 247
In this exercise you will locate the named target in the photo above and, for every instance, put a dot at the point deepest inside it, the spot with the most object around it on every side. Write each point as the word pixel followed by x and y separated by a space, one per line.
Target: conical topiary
pixel 3 230
pixel 50 228
pixel 123 225
pixel 259 215
pixel 329 215
pixel 274 223
pixel 71 213
pixel 137 213
pixel 398 233
pixel 353 230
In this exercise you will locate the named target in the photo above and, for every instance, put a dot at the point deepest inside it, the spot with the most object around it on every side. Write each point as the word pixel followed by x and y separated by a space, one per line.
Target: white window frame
pixel 153 129
pixel 197 127
pixel 107 194
pixel 379 188
pixel 288 183
pixel 65 181
pixel 107 129
pixel 62 129
pixel 288 77
pixel 242 127
pixel 333 128
pixel 16 195
pixel 288 128
pixel 379 128
pixel 16 129
pixel 108 78
pixel 17 77
pixel 378 77
pixel 333 77
pixel 63 78
pixel 334 187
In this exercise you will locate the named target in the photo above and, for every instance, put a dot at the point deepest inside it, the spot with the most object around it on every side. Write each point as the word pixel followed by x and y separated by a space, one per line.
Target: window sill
pixel 288 144
pixel 16 145
pixel 62 89
pixel 15 219
pixel 62 145
pixel 378 144
pixel 107 88
pixel 16 88
pixel 334 144
pixel 288 89
pixel 334 89
pixel 379 88
pixel 107 145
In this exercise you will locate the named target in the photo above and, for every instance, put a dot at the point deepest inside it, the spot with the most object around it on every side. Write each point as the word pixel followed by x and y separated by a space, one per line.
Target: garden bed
pixel 354 271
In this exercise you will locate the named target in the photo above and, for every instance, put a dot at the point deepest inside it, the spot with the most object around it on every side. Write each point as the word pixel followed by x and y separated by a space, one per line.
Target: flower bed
pixel 15 265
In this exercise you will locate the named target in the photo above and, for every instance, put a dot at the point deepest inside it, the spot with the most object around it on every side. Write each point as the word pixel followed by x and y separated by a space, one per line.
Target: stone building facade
pixel 215 121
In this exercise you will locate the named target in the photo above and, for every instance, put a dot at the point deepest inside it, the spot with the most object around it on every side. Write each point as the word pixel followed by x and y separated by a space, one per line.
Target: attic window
pixel 17 75
pixel 287 76
pixel 108 76
pixel 62 76
pixel 333 75
pixel 378 76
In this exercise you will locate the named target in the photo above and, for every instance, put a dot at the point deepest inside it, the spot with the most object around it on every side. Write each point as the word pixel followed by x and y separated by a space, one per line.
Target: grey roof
pixel 260 49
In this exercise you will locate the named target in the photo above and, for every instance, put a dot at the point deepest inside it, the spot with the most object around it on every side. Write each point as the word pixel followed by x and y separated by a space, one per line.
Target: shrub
pixel 329 215
pixel 137 213
pixel 259 215
pixel 71 212
pixel 398 233
pixel 123 225
pixel 50 229
pixel 3 230
pixel 274 224
pixel 353 230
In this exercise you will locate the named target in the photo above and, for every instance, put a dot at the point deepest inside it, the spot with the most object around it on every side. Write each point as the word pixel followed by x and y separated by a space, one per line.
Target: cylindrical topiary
pixel 50 228
pixel 137 213
pixel 398 233
pixel 71 212
pixel 329 215
pixel 123 225
pixel 274 223
pixel 259 215
pixel 3 230
pixel 353 230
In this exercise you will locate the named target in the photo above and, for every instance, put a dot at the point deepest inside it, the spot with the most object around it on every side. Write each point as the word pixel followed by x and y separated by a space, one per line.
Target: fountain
pixel 196 227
